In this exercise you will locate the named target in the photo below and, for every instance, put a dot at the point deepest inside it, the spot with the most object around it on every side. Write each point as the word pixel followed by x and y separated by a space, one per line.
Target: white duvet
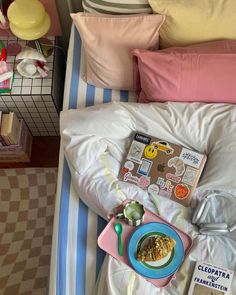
pixel 96 138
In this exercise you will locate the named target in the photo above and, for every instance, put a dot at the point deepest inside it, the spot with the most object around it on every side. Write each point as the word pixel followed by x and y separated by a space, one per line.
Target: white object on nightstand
pixel 37 99
pixel 28 66
pixel 26 69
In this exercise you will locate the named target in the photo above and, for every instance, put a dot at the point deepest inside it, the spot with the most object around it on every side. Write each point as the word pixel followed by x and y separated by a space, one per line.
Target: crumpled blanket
pixel 96 139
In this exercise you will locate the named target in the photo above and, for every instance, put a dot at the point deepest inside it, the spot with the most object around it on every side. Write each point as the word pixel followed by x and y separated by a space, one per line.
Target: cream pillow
pixel 194 21
pixel 108 41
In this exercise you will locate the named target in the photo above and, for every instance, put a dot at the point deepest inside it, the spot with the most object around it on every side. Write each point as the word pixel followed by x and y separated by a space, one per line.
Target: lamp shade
pixel 28 19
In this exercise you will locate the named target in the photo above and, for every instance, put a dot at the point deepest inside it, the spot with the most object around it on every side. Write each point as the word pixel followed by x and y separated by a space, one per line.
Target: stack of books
pixel 15 139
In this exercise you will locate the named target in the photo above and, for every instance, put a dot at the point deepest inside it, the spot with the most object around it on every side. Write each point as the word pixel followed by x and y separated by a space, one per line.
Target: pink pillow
pixel 204 72
pixel 108 41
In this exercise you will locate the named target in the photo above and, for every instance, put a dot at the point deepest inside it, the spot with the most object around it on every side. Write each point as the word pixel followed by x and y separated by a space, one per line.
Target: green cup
pixel 133 213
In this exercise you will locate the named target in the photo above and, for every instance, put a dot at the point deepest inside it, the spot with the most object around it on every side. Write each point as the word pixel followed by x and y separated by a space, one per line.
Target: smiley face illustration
pixel 150 152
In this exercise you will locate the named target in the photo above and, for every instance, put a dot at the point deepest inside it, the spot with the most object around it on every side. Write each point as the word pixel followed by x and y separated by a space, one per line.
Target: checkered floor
pixel 26 221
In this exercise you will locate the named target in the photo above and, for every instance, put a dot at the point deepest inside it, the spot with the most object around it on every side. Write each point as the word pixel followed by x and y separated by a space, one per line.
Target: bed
pixel 76 259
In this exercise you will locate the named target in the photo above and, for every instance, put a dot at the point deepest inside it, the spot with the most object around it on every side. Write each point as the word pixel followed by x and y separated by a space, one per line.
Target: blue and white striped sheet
pixel 76 259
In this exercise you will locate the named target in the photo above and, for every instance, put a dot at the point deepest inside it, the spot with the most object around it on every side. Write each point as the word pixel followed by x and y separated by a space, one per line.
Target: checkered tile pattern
pixel 26 221
pixel 33 99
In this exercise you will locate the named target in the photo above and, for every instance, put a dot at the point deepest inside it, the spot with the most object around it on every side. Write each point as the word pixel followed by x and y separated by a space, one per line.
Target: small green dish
pixel 133 213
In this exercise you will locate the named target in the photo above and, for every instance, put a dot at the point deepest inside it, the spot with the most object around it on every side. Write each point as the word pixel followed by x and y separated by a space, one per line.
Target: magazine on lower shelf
pixel 6 85
pixel 209 279
pixel 20 152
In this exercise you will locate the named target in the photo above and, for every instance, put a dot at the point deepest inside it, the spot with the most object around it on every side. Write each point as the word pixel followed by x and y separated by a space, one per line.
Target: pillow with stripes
pixel 117 6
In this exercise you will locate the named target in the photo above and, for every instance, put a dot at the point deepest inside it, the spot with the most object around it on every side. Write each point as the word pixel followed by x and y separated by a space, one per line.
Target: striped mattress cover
pixel 75 258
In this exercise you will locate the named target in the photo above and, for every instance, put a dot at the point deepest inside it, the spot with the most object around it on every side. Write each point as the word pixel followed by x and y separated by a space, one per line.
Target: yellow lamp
pixel 28 19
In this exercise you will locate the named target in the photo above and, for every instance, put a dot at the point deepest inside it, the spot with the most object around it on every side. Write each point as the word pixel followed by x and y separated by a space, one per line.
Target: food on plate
pixel 157 248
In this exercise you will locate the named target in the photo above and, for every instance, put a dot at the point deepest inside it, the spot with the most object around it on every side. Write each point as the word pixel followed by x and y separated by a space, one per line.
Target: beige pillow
pixel 194 21
pixel 108 41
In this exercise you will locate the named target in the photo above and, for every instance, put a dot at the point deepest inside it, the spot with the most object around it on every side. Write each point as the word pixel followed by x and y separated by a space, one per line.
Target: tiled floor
pixel 26 221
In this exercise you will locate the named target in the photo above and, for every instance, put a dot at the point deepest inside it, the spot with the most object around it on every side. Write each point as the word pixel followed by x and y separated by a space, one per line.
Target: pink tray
pixel 108 242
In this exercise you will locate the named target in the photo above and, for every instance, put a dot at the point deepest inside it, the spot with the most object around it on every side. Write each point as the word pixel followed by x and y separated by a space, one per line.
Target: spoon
pixel 118 229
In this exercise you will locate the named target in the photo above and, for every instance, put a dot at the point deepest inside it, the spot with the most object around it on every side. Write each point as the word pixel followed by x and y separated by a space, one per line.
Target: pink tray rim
pixel 107 241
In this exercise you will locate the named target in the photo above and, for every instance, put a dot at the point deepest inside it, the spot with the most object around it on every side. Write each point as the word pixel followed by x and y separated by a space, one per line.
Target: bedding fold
pixel 104 131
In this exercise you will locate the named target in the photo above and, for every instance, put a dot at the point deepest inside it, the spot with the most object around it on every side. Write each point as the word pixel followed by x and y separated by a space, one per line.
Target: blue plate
pixel 161 268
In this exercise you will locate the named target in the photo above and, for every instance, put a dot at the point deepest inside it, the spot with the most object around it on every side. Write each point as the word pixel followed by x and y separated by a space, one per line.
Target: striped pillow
pixel 117 6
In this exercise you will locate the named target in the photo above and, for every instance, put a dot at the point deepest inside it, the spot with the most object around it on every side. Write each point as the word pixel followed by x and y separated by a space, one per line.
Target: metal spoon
pixel 118 229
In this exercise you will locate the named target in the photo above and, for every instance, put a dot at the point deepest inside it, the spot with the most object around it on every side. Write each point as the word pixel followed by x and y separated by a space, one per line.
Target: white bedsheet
pixel 76 259
pixel 95 140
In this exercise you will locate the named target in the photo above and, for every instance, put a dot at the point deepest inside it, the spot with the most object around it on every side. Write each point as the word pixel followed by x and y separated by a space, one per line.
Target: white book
pixel 210 280
pixel 10 128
